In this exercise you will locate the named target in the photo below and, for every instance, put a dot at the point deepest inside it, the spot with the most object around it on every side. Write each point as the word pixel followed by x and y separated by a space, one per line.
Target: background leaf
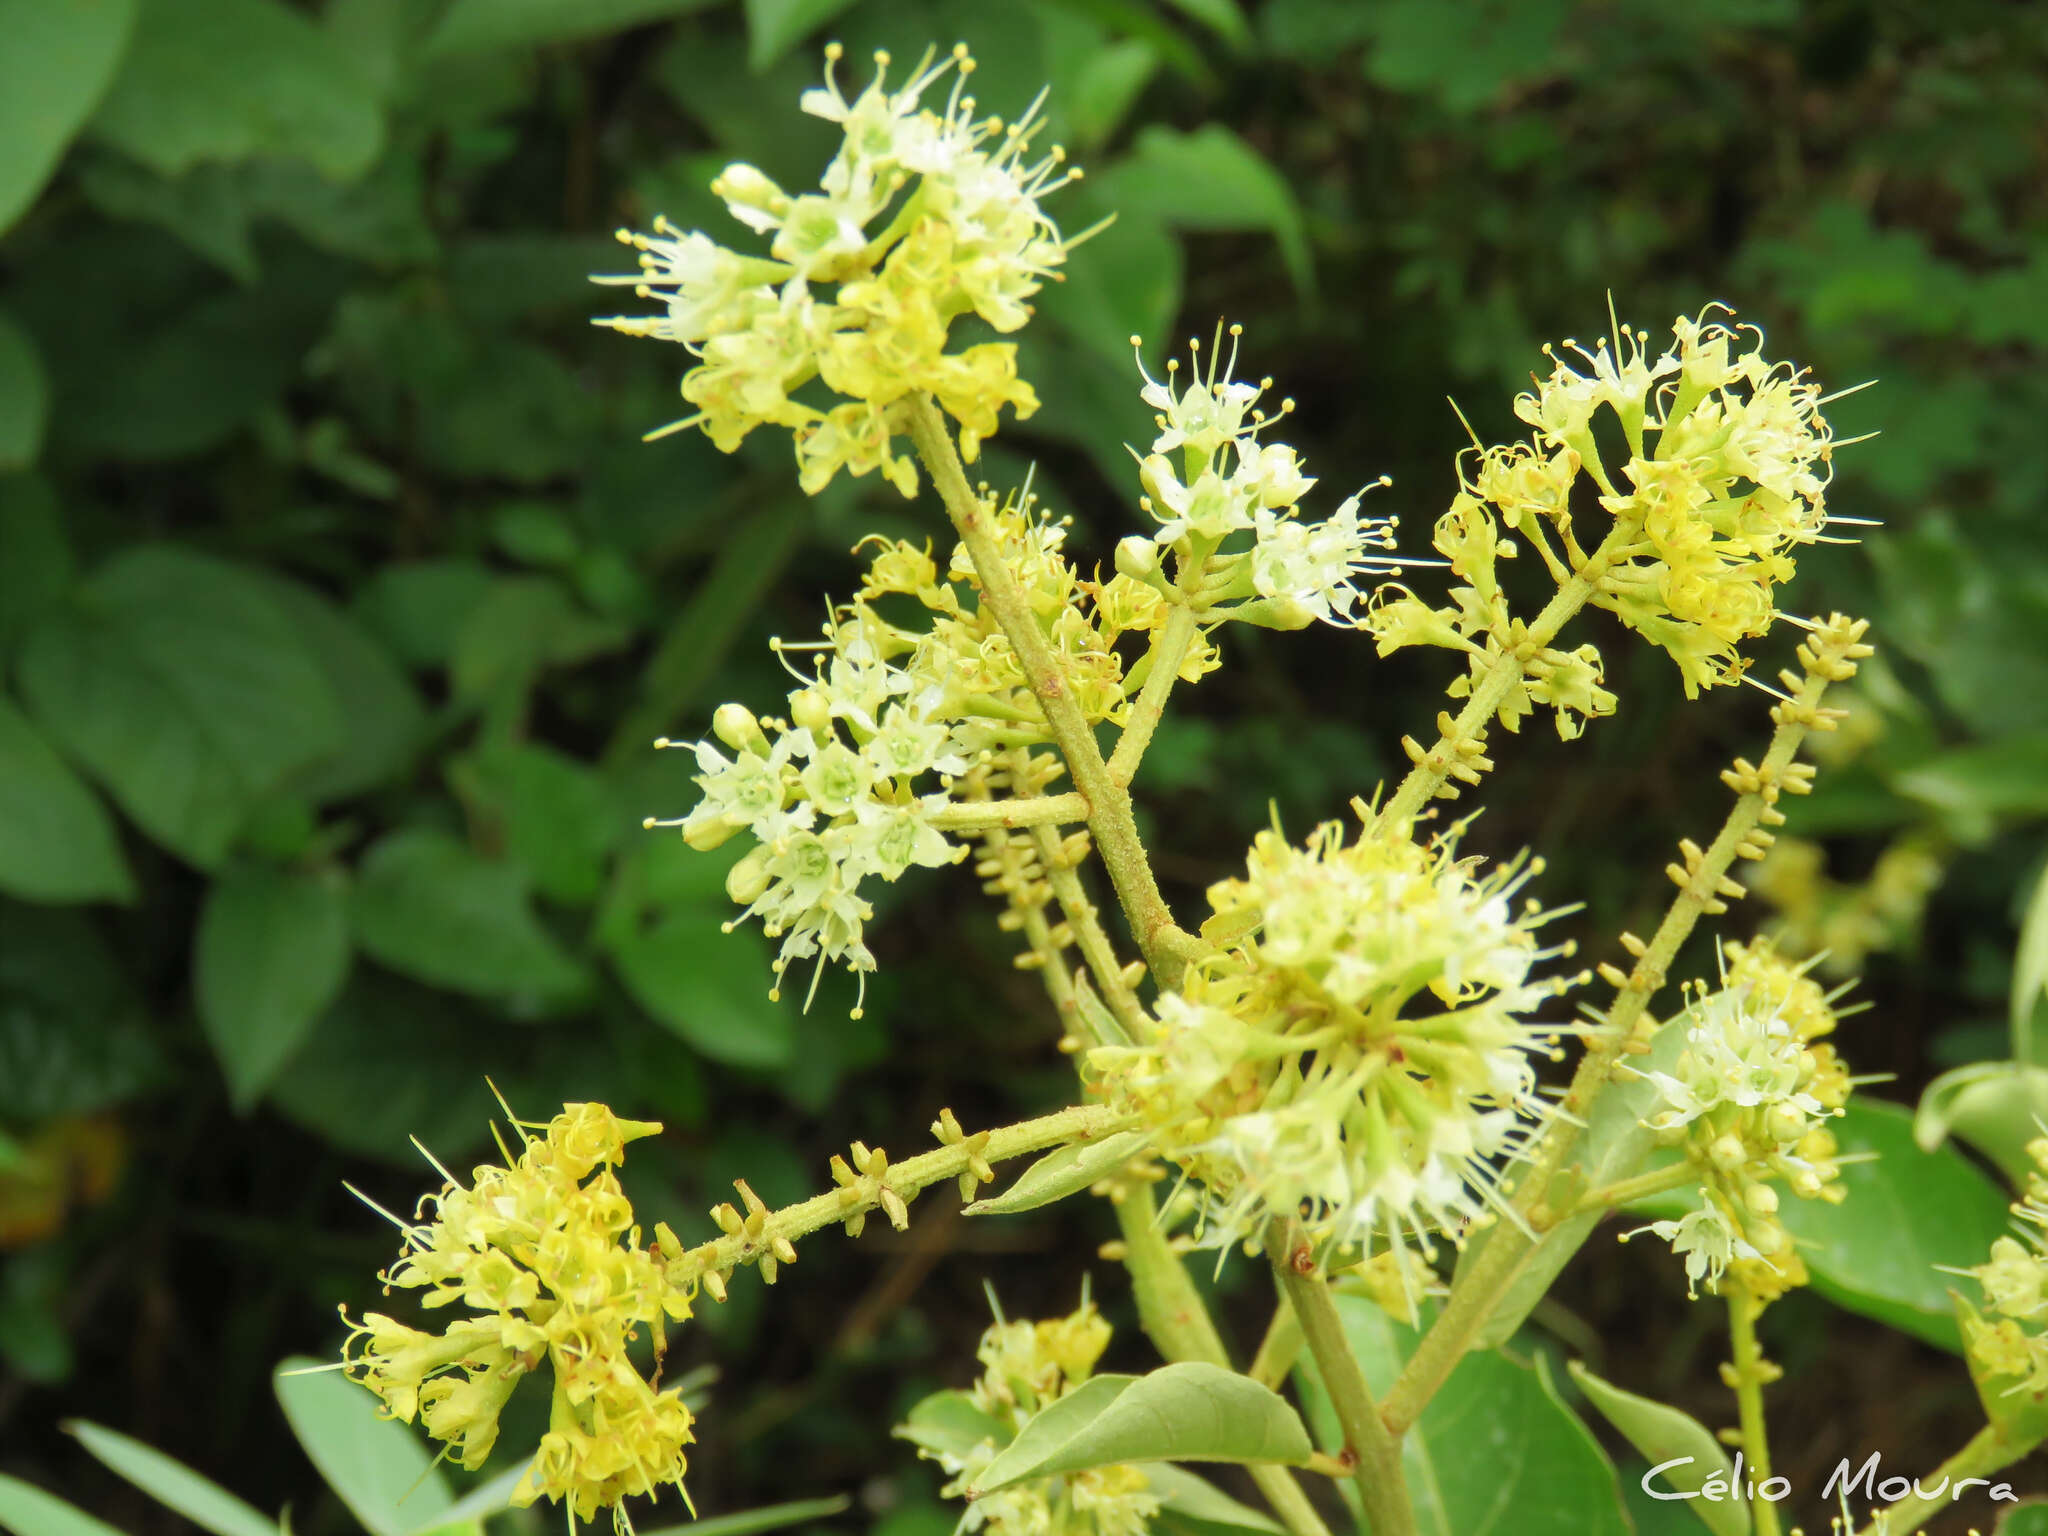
pixel 273 953
pixel 57 842
pixel 27 1510
pixel 24 397
pixel 1664 1434
pixel 172 1483
pixel 60 57
pixel 378 1466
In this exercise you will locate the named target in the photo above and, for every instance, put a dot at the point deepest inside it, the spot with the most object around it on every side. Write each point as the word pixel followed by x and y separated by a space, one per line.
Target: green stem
pixel 1032 811
pixel 1166 946
pixel 1827 656
pixel 1280 1348
pixel 1642 1186
pixel 905 1180
pixel 1986 1453
pixel 1459 746
pixel 1169 650
pixel 1748 1376
pixel 1373 1453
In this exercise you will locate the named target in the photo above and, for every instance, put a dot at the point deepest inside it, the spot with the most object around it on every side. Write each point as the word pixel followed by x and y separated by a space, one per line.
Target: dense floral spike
pixel 922 216
pixel 545 1257
pixel 1230 511
pixel 1362 1054
pixel 1724 476
pixel 2008 1343
pixel 894 723
pixel 1747 1102
pixel 1026 1368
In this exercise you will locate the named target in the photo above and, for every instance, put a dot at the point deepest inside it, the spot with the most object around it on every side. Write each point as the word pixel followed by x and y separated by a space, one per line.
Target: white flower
pixel 700 281
pixel 1706 1239
pixel 1315 564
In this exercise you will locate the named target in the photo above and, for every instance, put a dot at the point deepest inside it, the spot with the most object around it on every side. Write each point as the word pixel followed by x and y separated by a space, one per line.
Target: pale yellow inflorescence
pixel 2009 1342
pixel 543 1256
pixel 1361 1053
pixel 1722 471
pixel 924 215
pixel 1747 1103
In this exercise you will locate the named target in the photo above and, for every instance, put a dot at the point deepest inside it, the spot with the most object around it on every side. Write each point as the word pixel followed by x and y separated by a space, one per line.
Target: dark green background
pixel 339 599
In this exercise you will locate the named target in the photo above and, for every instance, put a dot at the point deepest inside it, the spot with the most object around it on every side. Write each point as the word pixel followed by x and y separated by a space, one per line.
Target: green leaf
pixel 57 842
pixel 709 987
pixel 36 568
pixel 1185 1412
pixel 420 606
pixel 523 624
pixel 557 818
pixel 58 62
pixel 769 1517
pixel 206 208
pixel 1496 1452
pixel 1462 57
pixel 2030 974
pixel 2016 1407
pixel 1973 785
pixel 272 955
pixel 776 26
pixel 2027 1519
pixel 1220 16
pixel 1064 1171
pixel 1664 1434
pixel 378 1467
pixel 26 1510
pixel 1996 1106
pixel 475 26
pixel 1615 1145
pixel 479 1504
pixel 234 79
pixel 24 395
pixel 427 906
pixel 1907 1211
pixel 948 1424
pixel 171 1483
pixel 1210 179
pixel 180 685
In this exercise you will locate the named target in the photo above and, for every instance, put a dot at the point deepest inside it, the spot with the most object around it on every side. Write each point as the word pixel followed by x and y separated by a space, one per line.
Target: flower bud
pixel 1728 1153
pixel 811 710
pixel 707 835
pixel 1784 1122
pixel 735 725
pixel 746 880
pixel 1137 557
pixel 1761 1199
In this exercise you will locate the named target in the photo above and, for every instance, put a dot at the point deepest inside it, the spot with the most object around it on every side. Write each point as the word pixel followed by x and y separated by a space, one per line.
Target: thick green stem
pixel 1179 1326
pixel 1748 1374
pixel 1459 746
pixel 1827 656
pixel 1166 946
pixel 1373 1453
pixel 1280 1348
pixel 1169 650
pixel 1031 811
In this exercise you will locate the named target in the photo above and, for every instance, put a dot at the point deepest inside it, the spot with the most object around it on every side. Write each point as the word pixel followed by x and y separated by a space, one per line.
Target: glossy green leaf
pixel 59 59
pixel 26 1510
pixel 272 955
pixel 949 1424
pixel 2029 1518
pixel 2030 975
pixel 1193 1497
pixel 429 907
pixel 776 26
pixel 1907 1211
pixel 179 684
pixel 1496 1453
pixel 1063 1172
pixel 769 1517
pixel 1183 1412
pixel 475 26
pixel 24 397
pixel 233 79
pixel 171 1483
pixel 1996 1106
pixel 1665 1434
pixel 1211 179
pixel 57 842
pixel 380 1468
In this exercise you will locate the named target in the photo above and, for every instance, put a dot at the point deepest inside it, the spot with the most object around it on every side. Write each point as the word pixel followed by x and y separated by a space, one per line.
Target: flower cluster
pixel 1748 1101
pixel 1361 1056
pixel 1028 1366
pixel 2011 1343
pixel 1724 475
pixel 544 1257
pixel 923 215
pixel 1230 511
pixel 891 721
pixel 1843 922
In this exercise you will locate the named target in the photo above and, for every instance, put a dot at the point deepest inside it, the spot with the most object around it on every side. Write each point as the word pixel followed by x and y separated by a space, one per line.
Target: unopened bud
pixel 1137 557
pixel 735 725
pixel 746 880
pixel 707 835
pixel 811 710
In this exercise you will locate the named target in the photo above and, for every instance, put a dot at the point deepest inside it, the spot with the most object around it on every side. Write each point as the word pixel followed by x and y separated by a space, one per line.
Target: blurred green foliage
pixel 339 599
